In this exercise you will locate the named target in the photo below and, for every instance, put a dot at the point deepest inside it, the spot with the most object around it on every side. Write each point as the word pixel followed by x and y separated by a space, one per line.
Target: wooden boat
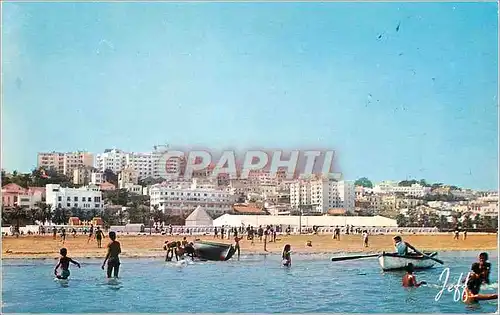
pixel 213 251
pixel 392 261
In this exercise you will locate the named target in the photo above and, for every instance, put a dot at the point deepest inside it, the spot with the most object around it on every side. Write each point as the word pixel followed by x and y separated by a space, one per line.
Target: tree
pixel 434 220
pixel 111 177
pixel 401 220
pixel 477 221
pixel 363 181
pixel 407 183
pixel 467 222
pixel 443 222
pixel 60 216
pixel 424 183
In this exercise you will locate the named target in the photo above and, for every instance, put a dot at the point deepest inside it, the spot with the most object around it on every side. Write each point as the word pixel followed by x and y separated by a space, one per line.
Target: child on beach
pixel 114 249
pixel 64 264
pixel 409 280
pixel 286 255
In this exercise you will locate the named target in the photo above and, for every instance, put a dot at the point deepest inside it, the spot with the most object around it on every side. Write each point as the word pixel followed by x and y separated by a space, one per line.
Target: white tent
pixel 256 220
pixel 199 217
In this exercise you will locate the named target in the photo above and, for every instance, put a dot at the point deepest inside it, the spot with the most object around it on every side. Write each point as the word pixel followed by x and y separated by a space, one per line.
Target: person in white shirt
pixel 365 238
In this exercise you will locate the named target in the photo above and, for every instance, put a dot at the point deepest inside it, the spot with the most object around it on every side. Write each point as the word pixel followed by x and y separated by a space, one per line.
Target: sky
pixel 415 101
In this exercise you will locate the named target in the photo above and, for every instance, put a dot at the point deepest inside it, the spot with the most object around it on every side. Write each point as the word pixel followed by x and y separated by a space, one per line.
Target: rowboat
pixel 392 261
pixel 213 251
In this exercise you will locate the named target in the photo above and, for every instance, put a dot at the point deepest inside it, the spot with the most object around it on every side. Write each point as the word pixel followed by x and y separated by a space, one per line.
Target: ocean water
pixel 255 283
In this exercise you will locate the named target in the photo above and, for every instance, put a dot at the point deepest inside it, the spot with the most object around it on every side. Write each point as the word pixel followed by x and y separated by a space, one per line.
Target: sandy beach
pixel 152 246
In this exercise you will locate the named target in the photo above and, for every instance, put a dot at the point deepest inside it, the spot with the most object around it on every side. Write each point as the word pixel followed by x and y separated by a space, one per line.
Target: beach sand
pixel 152 246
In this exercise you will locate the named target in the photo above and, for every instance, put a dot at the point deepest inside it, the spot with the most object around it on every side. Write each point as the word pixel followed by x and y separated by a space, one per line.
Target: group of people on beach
pixel 178 249
pixel 112 259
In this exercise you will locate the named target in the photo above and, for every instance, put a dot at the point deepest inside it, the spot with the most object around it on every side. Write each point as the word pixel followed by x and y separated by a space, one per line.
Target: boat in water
pixel 392 261
pixel 213 251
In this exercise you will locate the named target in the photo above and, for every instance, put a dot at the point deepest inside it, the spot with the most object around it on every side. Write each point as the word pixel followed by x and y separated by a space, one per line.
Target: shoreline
pixel 269 253
pixel 145 246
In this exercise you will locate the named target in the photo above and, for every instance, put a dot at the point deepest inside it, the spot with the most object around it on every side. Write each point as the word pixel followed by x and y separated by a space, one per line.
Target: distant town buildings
pixel 14 195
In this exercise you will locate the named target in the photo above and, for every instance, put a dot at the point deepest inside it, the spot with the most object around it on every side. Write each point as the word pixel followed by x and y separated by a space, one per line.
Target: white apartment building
pixel 176 200
pixel 65 163
pixel 142 163
pixel 146 164
pixel 133 188
pixel 388 187
pixel 112 159
pixel 85 198
pixel 323 194
pixel 97 178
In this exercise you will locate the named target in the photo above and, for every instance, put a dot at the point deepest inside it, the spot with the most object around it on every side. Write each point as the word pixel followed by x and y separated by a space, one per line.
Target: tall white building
pixel 112 159
pixel 177 199
pixel 85 198
pixel 145 164
pixel 322 195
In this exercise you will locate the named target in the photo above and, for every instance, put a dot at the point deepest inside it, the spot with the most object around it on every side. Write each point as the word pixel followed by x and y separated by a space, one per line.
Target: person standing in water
pixel 286 255
pixel 409 279
pixel 484 267
pixel 99 235
pixel 114 249
pixel 237 245
pixel 473 286
pixel 64 264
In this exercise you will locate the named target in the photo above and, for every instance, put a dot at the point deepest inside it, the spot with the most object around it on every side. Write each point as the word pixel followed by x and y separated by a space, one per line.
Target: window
pixel 75 199
pixel 58 198
pixel 68 205
pixel 68 199
pixel 76 205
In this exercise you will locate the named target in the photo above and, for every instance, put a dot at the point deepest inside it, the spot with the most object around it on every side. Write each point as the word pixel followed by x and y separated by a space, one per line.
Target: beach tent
pixel 199 217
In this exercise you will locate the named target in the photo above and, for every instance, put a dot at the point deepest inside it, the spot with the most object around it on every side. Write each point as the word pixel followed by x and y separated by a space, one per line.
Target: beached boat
pixel 213 251
pixel 392 261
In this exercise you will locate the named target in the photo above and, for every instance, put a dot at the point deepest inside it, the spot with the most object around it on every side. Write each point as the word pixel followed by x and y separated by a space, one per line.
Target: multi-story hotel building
pixel 322 194
pixel 182 197
pixel 85 198
pixel 112 159
pixel 65 163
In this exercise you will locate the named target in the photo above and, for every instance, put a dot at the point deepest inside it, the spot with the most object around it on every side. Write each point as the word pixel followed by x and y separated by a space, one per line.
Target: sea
pixel 252 284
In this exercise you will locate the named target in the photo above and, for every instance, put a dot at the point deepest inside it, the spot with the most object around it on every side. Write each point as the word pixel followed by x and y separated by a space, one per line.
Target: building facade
pixel 179 199
pixel 320 195
pixel 85 198
pixel 65 163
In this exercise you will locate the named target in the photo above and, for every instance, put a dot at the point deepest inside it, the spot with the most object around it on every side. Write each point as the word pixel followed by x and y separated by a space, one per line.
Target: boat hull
pixel 213 251
pixel 390 261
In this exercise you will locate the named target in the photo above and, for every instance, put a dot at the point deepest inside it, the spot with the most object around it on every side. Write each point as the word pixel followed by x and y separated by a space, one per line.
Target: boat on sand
pixel 392 261
pixel 213 251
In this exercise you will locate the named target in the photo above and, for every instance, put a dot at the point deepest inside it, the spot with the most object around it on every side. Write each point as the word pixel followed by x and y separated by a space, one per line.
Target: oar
pixel 353 257
pixel 427 256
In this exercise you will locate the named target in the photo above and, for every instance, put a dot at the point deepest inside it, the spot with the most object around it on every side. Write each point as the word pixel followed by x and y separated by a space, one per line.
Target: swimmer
pixel 471 292
pixel 409 279
pixel 286 255
pixel 64 264
pixel 114 249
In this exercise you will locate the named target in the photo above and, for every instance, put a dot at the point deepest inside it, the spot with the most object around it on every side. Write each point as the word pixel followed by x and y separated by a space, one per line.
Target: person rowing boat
pixel 402 246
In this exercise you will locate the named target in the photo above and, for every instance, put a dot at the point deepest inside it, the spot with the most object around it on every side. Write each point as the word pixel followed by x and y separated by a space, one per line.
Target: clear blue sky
pixel 420 102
